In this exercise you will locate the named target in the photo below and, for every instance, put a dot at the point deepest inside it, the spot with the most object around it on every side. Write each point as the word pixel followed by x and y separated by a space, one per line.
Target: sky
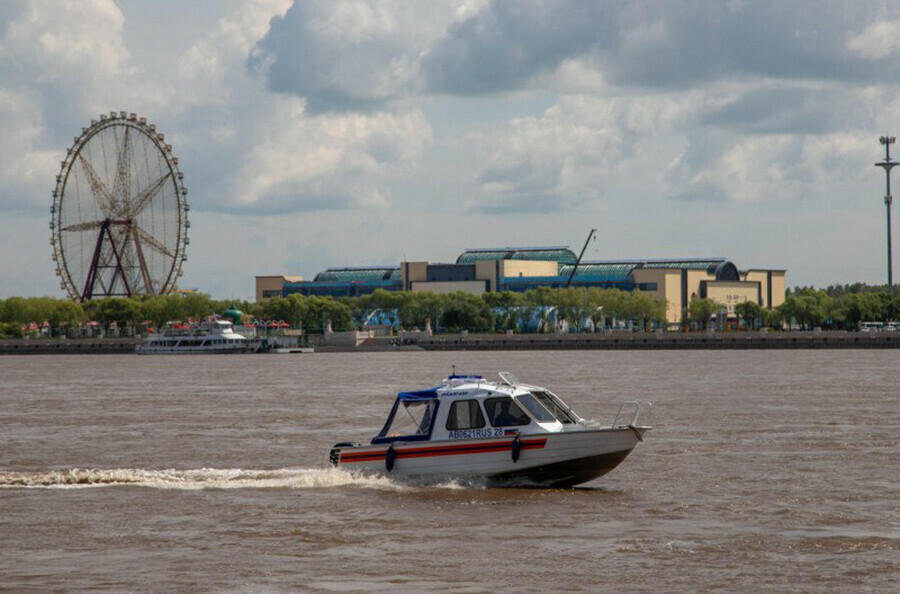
pixel 326 133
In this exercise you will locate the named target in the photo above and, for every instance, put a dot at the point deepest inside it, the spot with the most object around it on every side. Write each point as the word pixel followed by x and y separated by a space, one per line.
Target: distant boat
pixel 208 338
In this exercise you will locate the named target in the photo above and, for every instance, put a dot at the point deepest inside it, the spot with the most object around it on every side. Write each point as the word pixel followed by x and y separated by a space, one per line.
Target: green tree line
pixel 579 307
pixel 451 311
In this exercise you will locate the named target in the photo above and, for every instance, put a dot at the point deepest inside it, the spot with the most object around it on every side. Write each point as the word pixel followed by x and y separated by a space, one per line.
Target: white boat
pixel 206 338
pixel 495 433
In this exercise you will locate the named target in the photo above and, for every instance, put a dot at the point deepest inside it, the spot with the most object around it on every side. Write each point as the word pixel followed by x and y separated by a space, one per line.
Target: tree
pixel 702 309
pixel 807 307
pixel 750 312
pixel 464 311
pixel 124 311
pixel 506 308
pixel 645 309
pixel 66 313
pixel 197 306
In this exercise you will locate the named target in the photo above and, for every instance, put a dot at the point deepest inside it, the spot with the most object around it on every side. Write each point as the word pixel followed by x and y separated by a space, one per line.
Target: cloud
pixel 295 162
pixel 506 44
pixel 765 168
pixel 578 149
pixel 797 109
pixel 663 45
pixel 349 55
pixel 877 41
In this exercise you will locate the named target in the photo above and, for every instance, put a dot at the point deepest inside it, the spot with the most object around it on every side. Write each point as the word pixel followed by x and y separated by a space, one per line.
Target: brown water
pixel 767 471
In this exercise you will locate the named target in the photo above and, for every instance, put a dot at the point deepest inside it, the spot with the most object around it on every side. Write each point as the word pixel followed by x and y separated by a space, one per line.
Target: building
pixel 273 286
pixel 477 271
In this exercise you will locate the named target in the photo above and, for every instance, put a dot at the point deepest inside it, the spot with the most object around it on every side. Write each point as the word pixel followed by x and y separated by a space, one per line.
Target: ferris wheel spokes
pixel 99 190
pixel 145 196
pixel 122 182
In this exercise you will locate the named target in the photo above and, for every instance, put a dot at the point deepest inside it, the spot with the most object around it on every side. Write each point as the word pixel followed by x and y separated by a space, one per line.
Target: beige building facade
pixel 272 286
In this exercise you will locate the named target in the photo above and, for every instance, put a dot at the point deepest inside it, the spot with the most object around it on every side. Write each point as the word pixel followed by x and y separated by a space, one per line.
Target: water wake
pixel 203 478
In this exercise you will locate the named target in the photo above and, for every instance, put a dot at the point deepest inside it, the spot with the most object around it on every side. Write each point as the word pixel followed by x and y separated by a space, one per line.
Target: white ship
pixel 495 433
pixel 207 338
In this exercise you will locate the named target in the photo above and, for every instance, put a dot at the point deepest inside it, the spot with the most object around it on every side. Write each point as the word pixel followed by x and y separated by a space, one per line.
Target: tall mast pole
pixel 887 165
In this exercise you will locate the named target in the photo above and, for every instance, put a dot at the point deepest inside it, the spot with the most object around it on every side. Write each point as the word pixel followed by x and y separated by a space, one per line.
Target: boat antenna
pixel 452 370
pixel 580 256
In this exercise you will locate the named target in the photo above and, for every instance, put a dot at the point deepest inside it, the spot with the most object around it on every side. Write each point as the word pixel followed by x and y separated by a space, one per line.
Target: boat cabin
pixel 468 407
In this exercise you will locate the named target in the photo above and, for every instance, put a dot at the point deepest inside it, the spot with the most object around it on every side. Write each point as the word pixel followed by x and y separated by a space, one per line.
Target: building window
pixel 647 286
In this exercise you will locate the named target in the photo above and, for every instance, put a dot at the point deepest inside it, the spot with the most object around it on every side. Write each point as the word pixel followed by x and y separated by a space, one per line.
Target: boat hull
pixel 537 460
pixel 198 350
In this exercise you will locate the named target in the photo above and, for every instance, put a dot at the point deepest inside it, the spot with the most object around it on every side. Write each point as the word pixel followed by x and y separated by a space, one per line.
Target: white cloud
pixel 767 168
pixel 877 41
pixel 297 162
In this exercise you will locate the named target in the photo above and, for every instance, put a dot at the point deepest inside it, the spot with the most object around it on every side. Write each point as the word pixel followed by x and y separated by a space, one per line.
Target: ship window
pixel 412 417
pixel 503 412
pixel 465 414
pixel 553 405
pixel 535 408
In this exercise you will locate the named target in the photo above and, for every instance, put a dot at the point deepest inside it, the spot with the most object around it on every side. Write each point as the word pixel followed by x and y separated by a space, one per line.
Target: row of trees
pixel 538 309
pixel 810 308
pixel 16 312
pixel 578 307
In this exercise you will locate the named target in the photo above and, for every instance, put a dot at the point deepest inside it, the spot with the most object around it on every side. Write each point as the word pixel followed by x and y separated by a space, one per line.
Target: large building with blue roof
pixel 677 281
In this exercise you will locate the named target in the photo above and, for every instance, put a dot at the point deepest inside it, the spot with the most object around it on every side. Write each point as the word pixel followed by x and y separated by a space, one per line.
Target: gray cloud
pixel 680 44
pixel 351 56
pixel 798 110
pixel 506 44
pixel 656 44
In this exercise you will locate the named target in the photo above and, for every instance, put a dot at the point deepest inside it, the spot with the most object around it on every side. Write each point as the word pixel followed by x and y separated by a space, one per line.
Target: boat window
pixel 503 412
pixel 412 417
pixel 465 414
pixel 554 406
pixel 535 408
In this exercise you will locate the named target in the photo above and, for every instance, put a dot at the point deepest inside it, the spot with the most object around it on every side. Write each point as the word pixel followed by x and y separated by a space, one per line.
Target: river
pixel 774 471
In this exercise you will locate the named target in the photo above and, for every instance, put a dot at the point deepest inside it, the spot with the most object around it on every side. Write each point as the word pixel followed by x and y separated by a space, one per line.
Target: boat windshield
pixel 541 414
pixel 554 406
pixel 411 418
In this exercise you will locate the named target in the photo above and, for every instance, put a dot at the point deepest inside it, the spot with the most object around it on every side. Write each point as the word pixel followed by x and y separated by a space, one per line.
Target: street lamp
pixel 887 165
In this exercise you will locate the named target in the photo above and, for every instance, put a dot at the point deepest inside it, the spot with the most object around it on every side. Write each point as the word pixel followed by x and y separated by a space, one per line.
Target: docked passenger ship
pixel 207 338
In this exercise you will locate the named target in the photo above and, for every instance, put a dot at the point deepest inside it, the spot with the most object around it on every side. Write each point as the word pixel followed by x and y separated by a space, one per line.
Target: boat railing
pixel 639 414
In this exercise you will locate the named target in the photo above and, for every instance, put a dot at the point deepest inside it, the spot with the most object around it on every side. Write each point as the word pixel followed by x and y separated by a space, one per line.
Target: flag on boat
pixel 511 432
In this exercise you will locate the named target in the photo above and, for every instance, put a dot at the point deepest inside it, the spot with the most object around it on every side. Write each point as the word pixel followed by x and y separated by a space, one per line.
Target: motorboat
pixel 215 337
pixel 495 433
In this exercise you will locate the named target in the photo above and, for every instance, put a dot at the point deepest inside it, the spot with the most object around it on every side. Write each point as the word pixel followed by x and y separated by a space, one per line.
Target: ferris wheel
pixel 119 215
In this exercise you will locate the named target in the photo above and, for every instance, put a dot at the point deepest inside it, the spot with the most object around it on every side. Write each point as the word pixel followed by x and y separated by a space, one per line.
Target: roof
pixel 284 277
pixel 602 271
pixel 429 394
pixel 561 254
pixel 359 274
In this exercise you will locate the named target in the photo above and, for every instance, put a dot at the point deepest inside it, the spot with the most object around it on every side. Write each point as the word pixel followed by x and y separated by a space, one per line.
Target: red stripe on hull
pixel 454 450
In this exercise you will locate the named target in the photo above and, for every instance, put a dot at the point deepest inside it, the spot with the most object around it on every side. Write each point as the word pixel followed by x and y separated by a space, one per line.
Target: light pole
pixel 887 165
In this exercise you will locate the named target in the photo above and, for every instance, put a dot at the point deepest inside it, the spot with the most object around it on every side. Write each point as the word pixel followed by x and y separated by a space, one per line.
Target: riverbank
pixel 525 342
pixel 78 346
pixel 665 341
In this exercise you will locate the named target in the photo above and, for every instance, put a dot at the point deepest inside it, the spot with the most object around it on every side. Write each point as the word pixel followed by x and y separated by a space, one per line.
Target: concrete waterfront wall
pixel 67 347
pixel 666 341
